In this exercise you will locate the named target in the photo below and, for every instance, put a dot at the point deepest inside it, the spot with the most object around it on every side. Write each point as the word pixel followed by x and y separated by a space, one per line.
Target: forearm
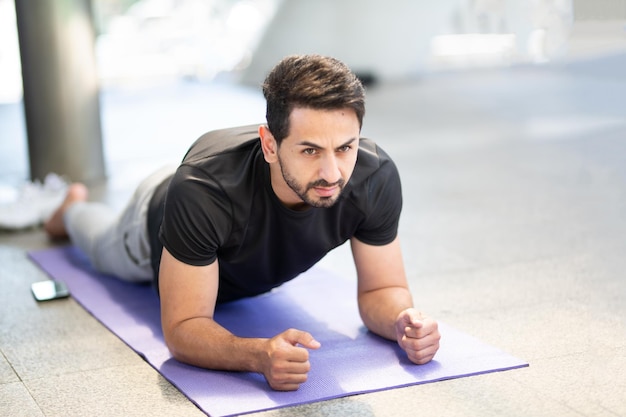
pixel 203 342
pixel 380 308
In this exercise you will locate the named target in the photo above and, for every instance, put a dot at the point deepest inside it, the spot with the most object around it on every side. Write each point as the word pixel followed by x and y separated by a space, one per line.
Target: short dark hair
pixel 310 81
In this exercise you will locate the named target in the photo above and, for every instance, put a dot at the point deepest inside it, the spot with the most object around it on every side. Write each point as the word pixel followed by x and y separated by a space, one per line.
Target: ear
pixel 268 144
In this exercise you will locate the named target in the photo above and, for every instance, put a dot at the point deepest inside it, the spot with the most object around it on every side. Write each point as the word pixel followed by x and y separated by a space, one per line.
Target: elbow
pixel 174 344
pixel 171 344
pixel 178 352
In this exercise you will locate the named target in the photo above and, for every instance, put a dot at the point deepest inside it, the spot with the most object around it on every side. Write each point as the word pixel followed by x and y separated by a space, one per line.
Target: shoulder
pixel 376 192
pixel 375 183
pixel 373 163
pixel 226 156
pixel 222 164
pixel 223 141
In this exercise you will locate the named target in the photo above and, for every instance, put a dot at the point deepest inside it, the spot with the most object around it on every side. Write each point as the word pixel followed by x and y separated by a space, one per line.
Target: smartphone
pixel 49 290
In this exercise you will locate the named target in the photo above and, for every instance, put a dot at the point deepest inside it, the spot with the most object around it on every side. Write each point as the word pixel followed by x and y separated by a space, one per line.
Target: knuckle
pixel 277 368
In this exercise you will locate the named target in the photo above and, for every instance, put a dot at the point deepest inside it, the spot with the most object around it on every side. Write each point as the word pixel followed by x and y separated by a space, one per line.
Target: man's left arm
pixel 386 304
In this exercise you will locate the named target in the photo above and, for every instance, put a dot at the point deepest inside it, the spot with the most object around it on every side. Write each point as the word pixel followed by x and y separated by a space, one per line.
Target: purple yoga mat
pixel 350 361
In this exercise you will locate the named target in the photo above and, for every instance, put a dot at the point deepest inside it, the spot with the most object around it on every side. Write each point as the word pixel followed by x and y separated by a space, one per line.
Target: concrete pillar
pixel 61 92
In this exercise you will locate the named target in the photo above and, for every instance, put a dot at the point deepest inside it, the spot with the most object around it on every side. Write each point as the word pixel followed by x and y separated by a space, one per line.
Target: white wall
pixel 392 38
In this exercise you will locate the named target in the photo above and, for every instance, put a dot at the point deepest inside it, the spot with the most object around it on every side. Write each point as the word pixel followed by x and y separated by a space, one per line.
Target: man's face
pixel 318 157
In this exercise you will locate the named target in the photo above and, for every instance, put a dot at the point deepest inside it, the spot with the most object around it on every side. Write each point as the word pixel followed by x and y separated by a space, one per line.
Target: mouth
pixel 326 191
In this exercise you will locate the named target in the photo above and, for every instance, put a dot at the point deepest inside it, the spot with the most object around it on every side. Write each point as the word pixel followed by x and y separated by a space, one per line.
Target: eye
pixel 344 148
pixel 309 151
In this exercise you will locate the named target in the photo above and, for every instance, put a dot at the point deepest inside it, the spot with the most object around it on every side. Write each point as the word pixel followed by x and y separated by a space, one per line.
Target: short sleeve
pixel 383 206
pixel 197 217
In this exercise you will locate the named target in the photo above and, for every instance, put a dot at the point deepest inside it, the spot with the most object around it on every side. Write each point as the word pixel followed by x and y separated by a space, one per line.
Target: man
pixel 251 208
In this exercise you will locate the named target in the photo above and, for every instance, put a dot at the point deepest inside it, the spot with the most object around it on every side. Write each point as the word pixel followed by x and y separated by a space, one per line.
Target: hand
pixel 286 364
pixel 417 335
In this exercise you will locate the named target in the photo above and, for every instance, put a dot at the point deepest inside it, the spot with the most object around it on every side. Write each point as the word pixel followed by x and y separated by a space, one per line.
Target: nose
pixel 329 169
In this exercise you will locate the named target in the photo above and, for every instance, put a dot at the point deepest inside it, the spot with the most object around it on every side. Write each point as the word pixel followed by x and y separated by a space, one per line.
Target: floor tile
pixel 15 400
pixel 7 374
pixel 116 391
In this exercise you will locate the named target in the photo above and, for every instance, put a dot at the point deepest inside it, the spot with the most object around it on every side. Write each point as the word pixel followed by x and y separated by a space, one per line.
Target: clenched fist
pixel 286 363
pixel 417 335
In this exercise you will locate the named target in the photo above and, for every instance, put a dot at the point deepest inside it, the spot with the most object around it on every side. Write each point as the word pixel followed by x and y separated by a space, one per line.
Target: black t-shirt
pixel 220 205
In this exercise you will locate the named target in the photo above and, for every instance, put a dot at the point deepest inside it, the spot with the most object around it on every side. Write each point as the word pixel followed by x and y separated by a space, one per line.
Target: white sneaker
pixel 32 204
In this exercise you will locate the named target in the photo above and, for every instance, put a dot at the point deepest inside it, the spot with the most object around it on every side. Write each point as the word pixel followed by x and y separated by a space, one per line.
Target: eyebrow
pixel 316 146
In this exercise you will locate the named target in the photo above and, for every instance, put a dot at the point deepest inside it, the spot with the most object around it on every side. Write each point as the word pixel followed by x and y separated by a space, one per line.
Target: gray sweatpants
pixel 117 243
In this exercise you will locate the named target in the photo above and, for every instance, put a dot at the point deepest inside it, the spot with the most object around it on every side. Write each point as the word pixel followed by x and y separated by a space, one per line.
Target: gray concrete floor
pixel 514 231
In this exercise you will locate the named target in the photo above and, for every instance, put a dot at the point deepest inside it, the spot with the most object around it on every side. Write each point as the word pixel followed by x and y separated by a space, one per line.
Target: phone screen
pixel 49 290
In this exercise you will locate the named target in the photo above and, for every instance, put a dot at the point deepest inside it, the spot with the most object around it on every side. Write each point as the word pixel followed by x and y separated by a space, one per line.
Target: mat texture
pixel 350 361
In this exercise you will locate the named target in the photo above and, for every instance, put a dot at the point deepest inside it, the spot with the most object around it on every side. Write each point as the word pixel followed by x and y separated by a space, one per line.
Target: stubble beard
pixel 303 191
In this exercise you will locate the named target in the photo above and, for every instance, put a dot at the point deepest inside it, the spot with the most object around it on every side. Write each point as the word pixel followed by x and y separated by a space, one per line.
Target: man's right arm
pixel 188 298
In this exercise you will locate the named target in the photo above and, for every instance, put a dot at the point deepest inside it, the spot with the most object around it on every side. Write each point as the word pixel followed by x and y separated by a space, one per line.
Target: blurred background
pixel 205 59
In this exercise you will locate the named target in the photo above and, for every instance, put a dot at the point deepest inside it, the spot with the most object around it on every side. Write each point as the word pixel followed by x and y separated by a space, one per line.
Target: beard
pixel 303 190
